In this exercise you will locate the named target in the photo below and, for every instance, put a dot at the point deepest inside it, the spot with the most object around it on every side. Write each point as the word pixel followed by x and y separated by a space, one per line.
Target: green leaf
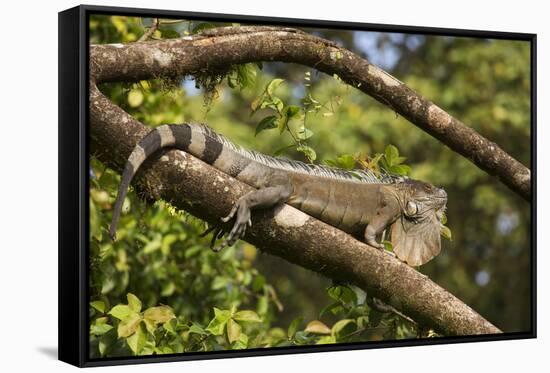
pixel 202 26
pixel 197 329
pixel 192 251
pixel 343 294
pixel 168 33
pixel 387 245
pixel 246 315
pixel 291 111
pixel 168 289
pixel 308 152
pixel 216 326
pixel 258 283
pixel 317 327
pixel 136 342
pixel 167 242
pixel 287 113
pixel 304 133
pixel 98 305
pixel 241 343
pixel 293 327
pixel 100 329
pixel 159 314
pixel 246 75
pixel 135 98
pixel 120 311
pixel 266 124
pixel 133 302
pixel 276 104
pixel 152 246
pixel 170 326
pixel 129 325
pixel 150 326
pixel 446 232
pixel 233 330
pixel 391 153
pixel 401 169
pixel 256 103
pixel 345 161
pixel 272 85
pixel 220 282
pixel 333 308
pixel 232 80
pixel 399 160
pixel 343 327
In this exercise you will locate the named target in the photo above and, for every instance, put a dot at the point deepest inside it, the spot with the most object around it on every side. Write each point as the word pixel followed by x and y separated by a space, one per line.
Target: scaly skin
pixel 368 205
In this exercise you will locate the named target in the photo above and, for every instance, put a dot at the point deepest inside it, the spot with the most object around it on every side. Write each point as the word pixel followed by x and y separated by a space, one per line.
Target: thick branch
pixel 208 194
pixel 216 49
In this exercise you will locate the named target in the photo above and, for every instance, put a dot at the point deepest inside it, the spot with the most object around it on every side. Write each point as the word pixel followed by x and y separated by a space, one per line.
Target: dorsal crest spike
pixel 357 175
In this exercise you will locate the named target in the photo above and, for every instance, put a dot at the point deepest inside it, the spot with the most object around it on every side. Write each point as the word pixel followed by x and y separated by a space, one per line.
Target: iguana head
pixel 416 234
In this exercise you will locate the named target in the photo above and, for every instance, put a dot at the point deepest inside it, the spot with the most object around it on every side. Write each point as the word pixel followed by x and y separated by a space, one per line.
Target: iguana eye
pixel 411 208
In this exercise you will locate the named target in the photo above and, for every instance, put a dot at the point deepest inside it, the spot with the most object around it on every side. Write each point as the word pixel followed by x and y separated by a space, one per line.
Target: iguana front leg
pixel 386 214
pixel 257 199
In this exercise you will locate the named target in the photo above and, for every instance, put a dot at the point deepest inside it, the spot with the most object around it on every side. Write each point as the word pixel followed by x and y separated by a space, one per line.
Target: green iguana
pixel 358 202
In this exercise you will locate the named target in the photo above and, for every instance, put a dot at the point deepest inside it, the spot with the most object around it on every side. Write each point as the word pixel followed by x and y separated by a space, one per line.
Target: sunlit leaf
pixel 293 327
pixel 246 315
pixel 317 327
pixel 272 85
pixel 120 311
pixel 343 327
pixel 241 343
pixel 308 152
pixel 159 314
pixel 129 325
pixel 446 232
pixel 133 302
pixel 135 97
pixel 246 75
pixel 391 153
pixel 136 342
pixel 304 133
pixel 197 329
pixel 98 305
pixel 233 330
pixel 100 329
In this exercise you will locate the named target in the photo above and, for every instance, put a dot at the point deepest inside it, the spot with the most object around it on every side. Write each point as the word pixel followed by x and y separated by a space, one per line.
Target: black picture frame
pixel 73 273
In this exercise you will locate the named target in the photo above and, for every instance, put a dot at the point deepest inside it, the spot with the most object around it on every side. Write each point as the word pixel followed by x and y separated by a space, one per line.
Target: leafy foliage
pixel 197 300
pixel 126 329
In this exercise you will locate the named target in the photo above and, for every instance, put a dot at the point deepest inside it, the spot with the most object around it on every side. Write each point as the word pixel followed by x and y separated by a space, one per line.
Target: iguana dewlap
pixel 358 202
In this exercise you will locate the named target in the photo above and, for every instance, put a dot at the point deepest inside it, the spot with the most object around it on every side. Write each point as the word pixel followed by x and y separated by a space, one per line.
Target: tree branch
pixel 216 49
pixel 207 193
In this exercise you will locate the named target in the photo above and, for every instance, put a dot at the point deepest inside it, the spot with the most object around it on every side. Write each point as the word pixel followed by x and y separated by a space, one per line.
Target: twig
pixel 154 27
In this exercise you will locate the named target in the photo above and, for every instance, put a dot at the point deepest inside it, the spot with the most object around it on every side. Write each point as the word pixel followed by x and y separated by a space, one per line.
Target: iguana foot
pixel 239 228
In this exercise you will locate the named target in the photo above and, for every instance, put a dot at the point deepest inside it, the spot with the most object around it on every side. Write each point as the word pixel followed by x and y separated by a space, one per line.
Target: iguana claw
pixel 239 228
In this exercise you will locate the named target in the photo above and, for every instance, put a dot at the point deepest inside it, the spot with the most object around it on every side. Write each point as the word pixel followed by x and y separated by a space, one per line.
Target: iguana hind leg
pixel 257 199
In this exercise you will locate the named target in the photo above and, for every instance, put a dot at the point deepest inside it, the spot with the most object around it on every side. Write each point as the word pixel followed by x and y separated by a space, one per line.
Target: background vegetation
pixel 159 289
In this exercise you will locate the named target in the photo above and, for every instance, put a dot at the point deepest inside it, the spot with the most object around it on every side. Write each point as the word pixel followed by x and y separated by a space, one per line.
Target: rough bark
pixel 207 193
pixel 217 49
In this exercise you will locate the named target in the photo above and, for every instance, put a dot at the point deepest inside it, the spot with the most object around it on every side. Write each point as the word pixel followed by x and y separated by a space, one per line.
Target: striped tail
pixel 183 137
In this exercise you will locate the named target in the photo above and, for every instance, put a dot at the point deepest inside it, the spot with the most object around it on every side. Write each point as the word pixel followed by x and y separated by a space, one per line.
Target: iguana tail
pixel 189 138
